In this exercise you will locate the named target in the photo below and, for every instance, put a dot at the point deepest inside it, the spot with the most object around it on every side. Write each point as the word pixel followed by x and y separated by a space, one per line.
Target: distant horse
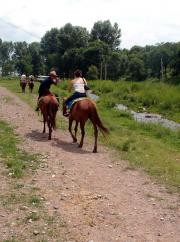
pixel 31 86
pixel 23 85
pixel 48 105
pixel 80 112
pixel 31 83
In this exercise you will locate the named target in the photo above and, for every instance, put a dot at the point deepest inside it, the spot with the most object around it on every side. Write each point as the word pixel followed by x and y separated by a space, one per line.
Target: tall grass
pixel 152 96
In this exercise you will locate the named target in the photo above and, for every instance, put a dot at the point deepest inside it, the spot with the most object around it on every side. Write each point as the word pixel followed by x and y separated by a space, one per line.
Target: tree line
pixel 97 53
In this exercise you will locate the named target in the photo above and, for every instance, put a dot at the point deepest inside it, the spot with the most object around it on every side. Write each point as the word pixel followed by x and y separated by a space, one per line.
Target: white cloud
pixel 142 22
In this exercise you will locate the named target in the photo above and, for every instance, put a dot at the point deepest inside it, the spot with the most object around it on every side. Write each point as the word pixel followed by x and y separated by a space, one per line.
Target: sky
pixel 142 22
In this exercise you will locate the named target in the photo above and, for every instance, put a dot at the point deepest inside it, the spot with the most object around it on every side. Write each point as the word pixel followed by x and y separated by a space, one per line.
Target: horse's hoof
pixel 79 146
pixel 94 151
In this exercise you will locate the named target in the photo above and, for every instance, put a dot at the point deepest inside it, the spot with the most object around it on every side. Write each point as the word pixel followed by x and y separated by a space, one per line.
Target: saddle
pixel 77 100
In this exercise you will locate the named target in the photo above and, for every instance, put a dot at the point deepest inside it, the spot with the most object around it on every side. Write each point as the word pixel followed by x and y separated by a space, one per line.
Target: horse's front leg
pixel 70 130
pixel 82 124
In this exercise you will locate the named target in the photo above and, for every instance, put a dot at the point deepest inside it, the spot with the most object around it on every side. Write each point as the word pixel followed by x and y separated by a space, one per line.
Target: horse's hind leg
pixel 95 138
pixel 70 130
pixel 50 130
pixel 75 130
pixel 44 129
pixel 82 134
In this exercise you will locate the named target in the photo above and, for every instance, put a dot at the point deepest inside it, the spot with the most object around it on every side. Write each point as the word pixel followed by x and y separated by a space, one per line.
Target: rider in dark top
pixel 46 84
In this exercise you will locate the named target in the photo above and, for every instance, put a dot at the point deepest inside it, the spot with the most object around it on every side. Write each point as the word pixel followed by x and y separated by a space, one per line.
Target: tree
pixel 117 65
pixel 37 60
pixel 92 73
pixel 136 69
pixel 104 31
pixel 71 60
pixel 6 63
pixel 72 37
pixel 50 49
pixel 22 58
pixel 175 60
pixel 96 54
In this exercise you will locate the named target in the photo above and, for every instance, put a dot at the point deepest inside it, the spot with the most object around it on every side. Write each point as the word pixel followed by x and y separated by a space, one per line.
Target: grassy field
pixel 150 147
pixel 150 96
pixel 16 160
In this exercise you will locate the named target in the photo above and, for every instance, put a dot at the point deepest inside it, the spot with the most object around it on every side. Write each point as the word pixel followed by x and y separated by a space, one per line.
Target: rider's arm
pixel 85 82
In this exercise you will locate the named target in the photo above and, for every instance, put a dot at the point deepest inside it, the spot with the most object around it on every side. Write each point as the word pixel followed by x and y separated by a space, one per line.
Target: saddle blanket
pixel 77 100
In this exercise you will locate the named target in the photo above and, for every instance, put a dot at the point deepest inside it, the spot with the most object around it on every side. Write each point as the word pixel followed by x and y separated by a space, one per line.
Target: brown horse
pixel 48 105
pixel 23 86
pixel 80 112
pixel 31 86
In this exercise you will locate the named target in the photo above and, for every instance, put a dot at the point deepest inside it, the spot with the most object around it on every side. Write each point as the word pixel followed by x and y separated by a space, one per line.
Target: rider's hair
pixel 78 73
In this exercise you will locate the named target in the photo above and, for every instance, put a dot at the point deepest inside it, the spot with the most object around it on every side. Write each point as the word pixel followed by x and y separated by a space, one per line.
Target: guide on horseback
pixel 79 85
pixel 23 82
pixel 46 85
pixel 31 82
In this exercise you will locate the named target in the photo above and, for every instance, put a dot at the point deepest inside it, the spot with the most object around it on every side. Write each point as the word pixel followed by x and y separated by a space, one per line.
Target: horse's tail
pixel 52 108
pixel 96 119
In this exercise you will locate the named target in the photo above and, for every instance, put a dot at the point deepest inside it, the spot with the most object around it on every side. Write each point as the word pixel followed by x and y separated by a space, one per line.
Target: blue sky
pixel 141 21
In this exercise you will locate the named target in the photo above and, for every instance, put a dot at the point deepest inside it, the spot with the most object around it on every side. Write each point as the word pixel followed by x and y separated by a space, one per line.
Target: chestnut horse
pixel 48 105
pixel 80 112
pixel 31 86
pixel 23 86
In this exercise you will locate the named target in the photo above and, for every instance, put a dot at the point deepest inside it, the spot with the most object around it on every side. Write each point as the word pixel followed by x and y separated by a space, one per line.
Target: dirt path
pixel 98 197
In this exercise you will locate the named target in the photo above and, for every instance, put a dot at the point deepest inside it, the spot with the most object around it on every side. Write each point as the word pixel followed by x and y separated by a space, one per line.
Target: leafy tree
pixel 71 60
pixel 70 37
pixel 175 60
pixel 96 53
pixel 92 73
pixel 37 60
pixel 117 65
pixel 136 69
pixel 22 58
pixel 106 32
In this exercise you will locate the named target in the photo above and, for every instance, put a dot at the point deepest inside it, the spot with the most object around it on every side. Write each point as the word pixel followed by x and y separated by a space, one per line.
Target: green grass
pixel 11 240
pixel 147 146
pixel 153 96
pixel 16 160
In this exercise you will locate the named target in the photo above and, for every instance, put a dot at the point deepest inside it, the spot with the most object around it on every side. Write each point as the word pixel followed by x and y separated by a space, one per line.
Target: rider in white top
pixel 77 84
pixel 23 78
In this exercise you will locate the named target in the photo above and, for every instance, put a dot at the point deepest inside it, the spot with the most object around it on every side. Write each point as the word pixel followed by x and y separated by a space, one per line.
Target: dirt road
pixel 89 197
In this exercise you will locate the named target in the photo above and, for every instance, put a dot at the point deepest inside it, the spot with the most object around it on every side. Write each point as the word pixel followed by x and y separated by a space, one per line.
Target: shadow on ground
pixel 37 136
pixel 68 147
pixel 56 142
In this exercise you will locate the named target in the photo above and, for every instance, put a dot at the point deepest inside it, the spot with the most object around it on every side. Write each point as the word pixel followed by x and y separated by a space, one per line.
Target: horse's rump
pixel 49 106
